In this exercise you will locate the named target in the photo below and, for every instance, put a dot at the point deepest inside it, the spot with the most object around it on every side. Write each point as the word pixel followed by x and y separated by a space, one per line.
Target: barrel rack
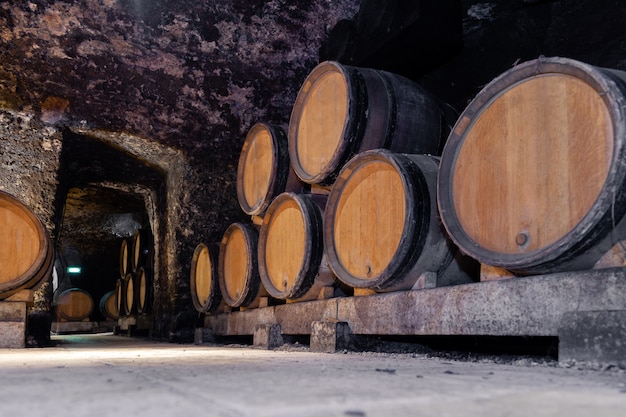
pixel 585 310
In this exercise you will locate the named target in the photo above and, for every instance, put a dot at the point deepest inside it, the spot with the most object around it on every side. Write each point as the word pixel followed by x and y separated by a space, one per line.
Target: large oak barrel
pixel 532 177
pixel 73 304
pixel 238 271
pixel 204 281
pixel 264 170
pixel 26 251
pixel 291 247
pixel 381 226
pixel 342 110
pixel 108 306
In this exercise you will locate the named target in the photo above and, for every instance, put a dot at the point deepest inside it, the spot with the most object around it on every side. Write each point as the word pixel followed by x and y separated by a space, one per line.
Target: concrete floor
pixel 107 375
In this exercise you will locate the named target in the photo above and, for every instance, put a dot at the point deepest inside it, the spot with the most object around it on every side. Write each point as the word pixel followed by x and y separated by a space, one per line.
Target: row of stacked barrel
pixel 133 289
pixel 379 186
pixel 77 304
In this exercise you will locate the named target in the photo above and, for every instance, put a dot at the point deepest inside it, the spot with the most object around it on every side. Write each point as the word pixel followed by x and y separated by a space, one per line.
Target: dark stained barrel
pixel 342 110
pixel 108 306
pixel 532 177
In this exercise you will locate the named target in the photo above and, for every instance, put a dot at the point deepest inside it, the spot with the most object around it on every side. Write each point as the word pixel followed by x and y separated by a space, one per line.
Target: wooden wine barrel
pixel 342 110
pixel 108 306
pixel 240 284
pixel 73 304
pixel 204 281
pixel 26 251
pixel 532 177
pixel 130 295
pixel 140 249
pixel 264 170
pixel 120 297
pixel 381 226
pixel 125 251
pixel 144 290
pixel 291 247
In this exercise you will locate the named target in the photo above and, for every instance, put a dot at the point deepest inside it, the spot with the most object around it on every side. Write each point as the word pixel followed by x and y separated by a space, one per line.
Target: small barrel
pixel 381 227
pixel 144 290
pixel 129 295
pixel 240 284
pixel 264 170
pixel 125 251
pixel 532 177
pixel 204 281
pixel 26 251
pixel 140 249
pixel 120 297
pixel 73 304
pixel 291 247
pixel 108 306
pixel 342 110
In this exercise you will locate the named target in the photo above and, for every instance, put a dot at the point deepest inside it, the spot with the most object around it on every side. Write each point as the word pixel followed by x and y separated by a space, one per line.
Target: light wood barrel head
pixel 22 247
pixel 124 256
pixel 532 163
pixel 202 274
pixel 142 284
pixel 369 219
pixel 136 250
pixel 322 114
pixel 257 165
pixel 235 264
pixel 129 297
pixel 74 304
pixel 119 296
pixel 285 245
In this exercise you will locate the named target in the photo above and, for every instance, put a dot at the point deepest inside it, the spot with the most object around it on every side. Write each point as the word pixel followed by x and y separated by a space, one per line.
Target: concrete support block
pixel 267 336
pixel 330 336
pixel 203 335
pixel 12 324
pixel 593 337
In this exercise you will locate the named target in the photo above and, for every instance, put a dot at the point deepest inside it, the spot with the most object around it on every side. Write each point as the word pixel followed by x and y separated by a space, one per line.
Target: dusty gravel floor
pixel 106 375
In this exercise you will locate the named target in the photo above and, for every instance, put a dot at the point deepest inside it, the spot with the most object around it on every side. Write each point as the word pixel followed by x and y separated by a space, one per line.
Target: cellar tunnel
pixel 105 196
